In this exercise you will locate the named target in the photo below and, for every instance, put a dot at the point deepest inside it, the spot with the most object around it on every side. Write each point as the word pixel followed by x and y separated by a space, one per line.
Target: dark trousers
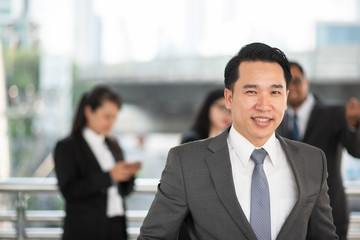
pixel 116 229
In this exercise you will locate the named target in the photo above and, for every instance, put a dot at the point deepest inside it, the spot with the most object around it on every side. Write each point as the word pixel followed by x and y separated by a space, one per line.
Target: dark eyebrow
pixel 250 86
pixel 255 86
pixel 277 86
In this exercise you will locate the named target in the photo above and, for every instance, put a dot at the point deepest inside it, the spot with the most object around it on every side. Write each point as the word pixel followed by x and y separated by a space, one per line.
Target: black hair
pixel 201 124
pixel 255 52
pixel 94 99
pixel 296 64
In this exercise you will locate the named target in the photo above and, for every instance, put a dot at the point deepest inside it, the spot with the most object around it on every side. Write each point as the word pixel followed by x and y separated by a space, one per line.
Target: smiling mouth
pixel 262 119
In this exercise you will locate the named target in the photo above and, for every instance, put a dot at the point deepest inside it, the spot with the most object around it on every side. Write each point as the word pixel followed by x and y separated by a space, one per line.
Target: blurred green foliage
pixel 22 68
pixel 22 72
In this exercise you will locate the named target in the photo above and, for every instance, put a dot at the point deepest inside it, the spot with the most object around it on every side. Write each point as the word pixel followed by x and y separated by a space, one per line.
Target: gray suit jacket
pixel 197 187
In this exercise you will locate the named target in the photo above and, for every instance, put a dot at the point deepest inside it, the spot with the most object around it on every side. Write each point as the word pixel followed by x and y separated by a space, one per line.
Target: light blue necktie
pixel 260 219
pixel 295 129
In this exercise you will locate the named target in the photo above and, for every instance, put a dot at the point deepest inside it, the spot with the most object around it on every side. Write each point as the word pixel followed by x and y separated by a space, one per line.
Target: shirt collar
pixel 244 148
pixel 305 107
pixel 92 136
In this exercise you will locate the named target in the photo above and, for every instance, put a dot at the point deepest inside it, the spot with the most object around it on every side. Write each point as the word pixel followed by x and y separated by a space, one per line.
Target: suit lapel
pixel 114 149
pixel 89 157
pixel 295 161
pixel 312 122
pixel 220 170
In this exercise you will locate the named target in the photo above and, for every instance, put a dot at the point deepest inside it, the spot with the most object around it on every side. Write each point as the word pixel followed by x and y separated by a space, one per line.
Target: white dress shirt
pixel 303 114
pixel 282 186
pixel 106 161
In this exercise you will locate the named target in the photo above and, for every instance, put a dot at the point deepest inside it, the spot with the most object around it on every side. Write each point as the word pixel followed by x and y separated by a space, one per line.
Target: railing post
pixel 21 205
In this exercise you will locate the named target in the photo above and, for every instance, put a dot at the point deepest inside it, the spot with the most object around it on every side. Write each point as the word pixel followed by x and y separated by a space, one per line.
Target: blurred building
pixel 159 56
pixel 16 29
pixel 162 57
pixel 88 33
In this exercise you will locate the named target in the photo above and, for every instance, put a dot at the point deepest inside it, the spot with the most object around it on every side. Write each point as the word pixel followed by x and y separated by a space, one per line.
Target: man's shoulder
pixel 309 160
pixel 190 136
pixel 203 146
pixel 197 144
pixel 328 115
pixel 193 155
pixel 329 105
pixel 296 146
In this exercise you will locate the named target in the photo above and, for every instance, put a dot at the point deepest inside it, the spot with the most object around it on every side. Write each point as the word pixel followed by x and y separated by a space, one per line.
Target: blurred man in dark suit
pixel 328 127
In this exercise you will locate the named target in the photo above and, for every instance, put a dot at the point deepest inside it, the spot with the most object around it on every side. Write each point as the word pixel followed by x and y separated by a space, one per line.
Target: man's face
pixel 299 87
pixel 258 100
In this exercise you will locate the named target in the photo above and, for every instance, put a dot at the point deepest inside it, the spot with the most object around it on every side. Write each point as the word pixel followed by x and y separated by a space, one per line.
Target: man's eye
pixel 251 92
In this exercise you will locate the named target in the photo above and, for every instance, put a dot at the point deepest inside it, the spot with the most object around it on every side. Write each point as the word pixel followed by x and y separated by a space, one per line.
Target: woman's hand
pixel 124 171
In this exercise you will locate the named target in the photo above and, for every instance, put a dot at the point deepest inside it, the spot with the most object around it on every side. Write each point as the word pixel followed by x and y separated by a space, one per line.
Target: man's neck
pixel 296 107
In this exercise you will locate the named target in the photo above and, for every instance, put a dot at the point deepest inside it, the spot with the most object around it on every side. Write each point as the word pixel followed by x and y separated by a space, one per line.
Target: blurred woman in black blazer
pixel 92 174
pixel 212 118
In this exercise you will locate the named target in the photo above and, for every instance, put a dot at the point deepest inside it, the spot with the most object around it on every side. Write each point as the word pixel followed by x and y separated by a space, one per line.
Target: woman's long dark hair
pixel 94 98
pixel 201 124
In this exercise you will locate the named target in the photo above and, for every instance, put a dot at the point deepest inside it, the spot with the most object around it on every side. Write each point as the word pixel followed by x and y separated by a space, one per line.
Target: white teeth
pixel 262 119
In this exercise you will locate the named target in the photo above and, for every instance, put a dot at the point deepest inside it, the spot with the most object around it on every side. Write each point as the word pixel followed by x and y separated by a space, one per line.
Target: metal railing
pixel 21 187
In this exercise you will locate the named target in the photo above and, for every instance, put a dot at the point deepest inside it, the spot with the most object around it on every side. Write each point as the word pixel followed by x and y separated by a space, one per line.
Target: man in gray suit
pixel 248 182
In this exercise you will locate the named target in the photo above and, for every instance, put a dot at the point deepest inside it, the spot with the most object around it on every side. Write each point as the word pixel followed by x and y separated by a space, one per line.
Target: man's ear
pixel 307 82
pixel 228 97
pixel 287 95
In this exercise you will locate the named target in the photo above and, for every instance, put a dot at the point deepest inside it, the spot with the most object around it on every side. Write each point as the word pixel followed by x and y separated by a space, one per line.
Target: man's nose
pixel 263 102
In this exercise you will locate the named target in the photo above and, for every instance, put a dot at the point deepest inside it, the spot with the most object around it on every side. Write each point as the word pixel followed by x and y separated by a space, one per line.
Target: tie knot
pixel 258 156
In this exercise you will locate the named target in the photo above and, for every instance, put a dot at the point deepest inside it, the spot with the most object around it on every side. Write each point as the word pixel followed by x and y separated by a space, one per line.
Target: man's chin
pixel 294 103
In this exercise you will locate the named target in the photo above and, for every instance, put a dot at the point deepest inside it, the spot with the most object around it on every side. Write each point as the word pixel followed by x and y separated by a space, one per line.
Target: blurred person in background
pixel 92 174
pixel 328 127
pixel 212 118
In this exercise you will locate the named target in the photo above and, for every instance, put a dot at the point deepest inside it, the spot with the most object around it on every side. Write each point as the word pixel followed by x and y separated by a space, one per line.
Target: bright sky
pixel 56 20
pixel 141 30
